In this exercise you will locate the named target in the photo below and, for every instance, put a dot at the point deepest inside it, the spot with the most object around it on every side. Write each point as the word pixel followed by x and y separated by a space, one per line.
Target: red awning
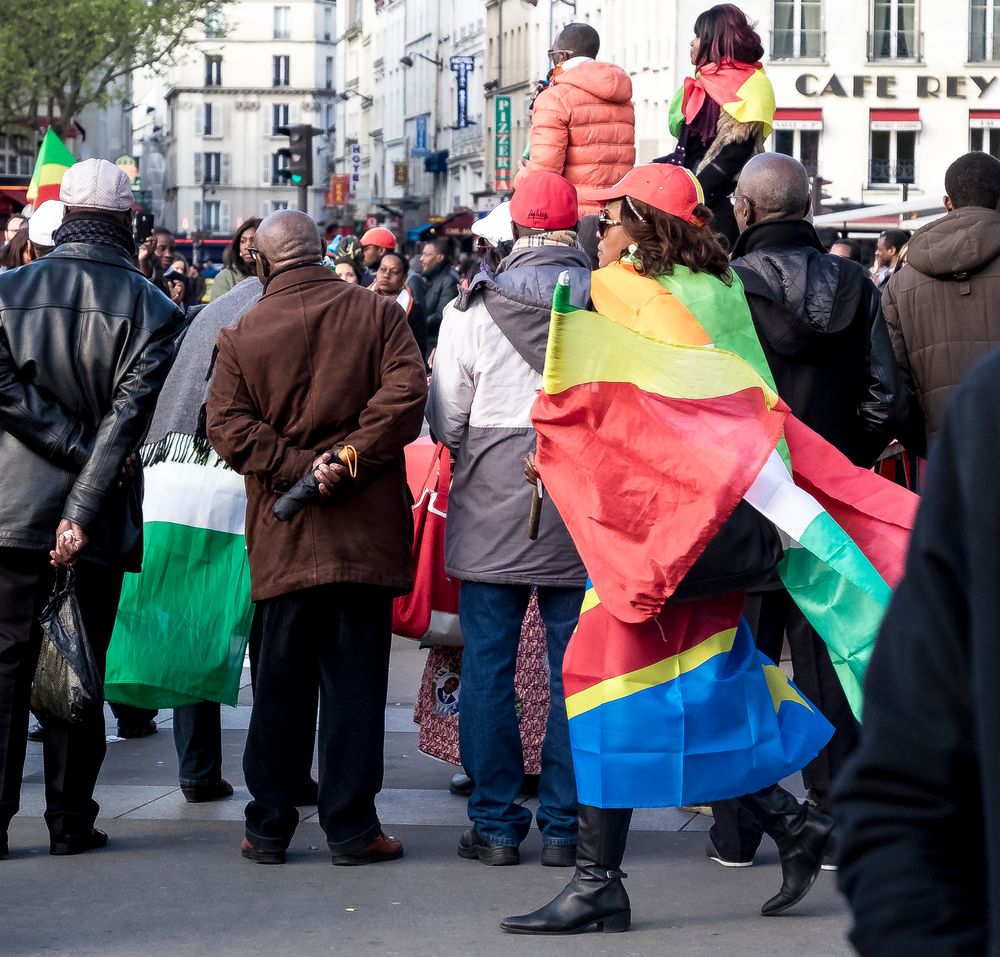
pixel 984 114
pixel 13 199
pixel 895 119
pixel 458 224
pixel 787 119
pixel 782 114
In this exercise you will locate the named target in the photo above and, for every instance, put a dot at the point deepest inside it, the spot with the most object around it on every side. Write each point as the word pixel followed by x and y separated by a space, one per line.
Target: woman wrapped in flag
pixel 657 420
pixel 722 115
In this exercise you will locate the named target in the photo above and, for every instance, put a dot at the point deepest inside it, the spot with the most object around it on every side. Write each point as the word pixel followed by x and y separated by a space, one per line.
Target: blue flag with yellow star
pixel 681 709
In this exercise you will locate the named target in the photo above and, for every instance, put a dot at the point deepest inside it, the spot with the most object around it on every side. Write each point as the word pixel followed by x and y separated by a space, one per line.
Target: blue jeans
pixel 489 735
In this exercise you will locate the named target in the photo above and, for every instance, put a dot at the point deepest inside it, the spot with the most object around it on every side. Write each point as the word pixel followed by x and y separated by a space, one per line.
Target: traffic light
pixel 299 170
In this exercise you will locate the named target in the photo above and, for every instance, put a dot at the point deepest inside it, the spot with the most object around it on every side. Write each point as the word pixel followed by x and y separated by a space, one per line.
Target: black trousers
pixel 73 753
pixel 198 741
pixel 333 639
pixel 772 615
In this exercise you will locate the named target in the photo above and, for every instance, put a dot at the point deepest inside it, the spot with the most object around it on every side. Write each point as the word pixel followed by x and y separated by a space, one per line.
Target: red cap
pixel 379 236
pixel 544 201
pixel 668 188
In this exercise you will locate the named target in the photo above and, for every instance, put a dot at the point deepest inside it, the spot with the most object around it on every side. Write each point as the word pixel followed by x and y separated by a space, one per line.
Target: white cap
pixel 96 184
pixel 45 221
pixel 496 227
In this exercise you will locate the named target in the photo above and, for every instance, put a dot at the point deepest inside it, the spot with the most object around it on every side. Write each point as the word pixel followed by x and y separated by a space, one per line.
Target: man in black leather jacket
pixel 820 324
pixel 85 344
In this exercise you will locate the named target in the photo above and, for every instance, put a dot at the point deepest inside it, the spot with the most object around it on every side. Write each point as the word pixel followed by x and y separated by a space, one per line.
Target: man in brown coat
pixel 319 365
pixel 941 307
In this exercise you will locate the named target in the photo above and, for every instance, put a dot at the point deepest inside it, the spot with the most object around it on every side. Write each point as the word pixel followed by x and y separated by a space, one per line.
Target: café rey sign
pixel 888 87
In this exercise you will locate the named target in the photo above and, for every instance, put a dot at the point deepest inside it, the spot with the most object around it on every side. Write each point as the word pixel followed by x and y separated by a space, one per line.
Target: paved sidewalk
pixel 172 882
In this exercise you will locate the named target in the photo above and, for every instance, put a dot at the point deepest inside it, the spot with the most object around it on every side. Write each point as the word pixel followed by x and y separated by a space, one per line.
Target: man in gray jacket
pixel 488 370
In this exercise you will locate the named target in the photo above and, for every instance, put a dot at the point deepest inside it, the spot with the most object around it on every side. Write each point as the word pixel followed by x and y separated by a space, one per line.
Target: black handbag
pixel 742 557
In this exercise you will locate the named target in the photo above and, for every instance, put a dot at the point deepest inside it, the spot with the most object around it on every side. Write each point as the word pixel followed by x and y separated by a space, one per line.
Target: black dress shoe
pixel 383 848
pixel 259 855
pixel 142 731
pixel 203 793
pixel 36 732
pixel 461 785
pixel 65 844
pixel 559 855
pixel 473 846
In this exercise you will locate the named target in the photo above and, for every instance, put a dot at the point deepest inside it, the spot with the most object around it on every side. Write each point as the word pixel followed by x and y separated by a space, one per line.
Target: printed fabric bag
pixel 439 697
pixel 434 592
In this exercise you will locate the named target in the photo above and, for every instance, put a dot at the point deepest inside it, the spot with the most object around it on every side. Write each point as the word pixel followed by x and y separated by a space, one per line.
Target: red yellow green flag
pixel 54 158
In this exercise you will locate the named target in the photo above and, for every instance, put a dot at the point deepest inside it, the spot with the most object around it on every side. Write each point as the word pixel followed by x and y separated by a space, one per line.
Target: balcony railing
pixel 798 44
pixel 884 173
pixel 984 48
pixel 895 45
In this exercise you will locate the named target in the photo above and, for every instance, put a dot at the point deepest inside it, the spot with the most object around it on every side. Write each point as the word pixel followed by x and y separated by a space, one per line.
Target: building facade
pixel 408 148
pixel 209 146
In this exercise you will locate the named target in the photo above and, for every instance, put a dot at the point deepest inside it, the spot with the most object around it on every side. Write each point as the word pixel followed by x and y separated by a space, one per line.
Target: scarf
pixel 177 432
pixel 740 89
pixel 556 237
pixel 94 227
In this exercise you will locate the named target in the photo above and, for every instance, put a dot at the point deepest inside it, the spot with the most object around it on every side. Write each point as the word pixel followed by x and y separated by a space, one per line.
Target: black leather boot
pixel 596 894
pixel 802 834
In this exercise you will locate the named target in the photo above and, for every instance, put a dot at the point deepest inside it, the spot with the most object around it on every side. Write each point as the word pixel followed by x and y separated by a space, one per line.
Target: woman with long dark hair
pixel 238 262
pixel 665 236
pixel 723 114
pixel 17 252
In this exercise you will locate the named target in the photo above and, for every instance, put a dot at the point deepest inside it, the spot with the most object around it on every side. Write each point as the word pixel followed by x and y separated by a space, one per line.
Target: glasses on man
pixel 736 197
pixel 558 56
pixel 605 222
pixel 254 252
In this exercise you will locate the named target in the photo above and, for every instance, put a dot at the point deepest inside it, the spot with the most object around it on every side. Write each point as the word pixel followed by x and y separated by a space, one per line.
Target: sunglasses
pixel 560 53
pixel 254 252
pixel 605 222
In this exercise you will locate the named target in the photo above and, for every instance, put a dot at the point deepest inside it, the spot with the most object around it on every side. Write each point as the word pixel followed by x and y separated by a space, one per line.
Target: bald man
pixel 819 322
pixel 319 371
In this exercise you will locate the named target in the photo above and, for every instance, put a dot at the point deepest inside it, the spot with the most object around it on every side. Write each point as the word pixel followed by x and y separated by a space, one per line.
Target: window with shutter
pixel 225 217
pixel 196 218
pixel 199 167
pixel 224 169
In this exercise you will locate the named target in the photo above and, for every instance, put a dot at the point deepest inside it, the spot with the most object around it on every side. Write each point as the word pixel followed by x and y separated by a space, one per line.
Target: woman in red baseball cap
pixel 654 222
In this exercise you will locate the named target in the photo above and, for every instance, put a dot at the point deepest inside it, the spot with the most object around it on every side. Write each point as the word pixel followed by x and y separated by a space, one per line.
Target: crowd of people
pixel 316 364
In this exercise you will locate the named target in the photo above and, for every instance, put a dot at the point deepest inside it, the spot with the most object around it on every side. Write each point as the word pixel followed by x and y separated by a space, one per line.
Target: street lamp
pixel 408 60
pixel 366 101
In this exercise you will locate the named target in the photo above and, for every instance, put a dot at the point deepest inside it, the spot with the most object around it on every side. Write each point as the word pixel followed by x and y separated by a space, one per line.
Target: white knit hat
pixel 45 221
pixel 96 184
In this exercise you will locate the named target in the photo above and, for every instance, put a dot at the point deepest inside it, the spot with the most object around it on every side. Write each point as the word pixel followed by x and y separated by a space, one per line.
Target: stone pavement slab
pixel 169 888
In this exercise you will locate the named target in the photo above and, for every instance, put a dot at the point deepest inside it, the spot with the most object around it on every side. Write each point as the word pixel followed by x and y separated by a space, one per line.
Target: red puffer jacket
pixel 583 127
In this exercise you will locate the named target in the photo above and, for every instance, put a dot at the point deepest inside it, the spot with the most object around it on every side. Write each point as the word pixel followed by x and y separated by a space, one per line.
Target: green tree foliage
pixel 59 56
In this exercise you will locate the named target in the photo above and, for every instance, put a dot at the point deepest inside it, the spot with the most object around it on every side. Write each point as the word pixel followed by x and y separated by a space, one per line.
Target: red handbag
pixel 433 590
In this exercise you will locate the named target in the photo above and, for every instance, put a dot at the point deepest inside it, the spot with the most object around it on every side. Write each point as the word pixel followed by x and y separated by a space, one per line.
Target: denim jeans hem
pixel 267 843
pixel 356 843
pixel 191 783
pixel 491 837
pixel 564 842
